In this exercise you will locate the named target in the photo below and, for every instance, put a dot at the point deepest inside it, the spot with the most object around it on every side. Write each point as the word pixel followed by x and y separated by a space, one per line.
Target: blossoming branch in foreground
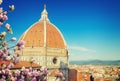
pixel 23 74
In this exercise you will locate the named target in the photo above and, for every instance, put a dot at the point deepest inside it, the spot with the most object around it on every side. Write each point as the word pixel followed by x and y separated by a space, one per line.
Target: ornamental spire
pixel 44 14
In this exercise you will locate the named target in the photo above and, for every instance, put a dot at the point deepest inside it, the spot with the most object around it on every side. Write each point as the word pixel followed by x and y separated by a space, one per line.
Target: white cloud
pixel 83 49
pixel 74 57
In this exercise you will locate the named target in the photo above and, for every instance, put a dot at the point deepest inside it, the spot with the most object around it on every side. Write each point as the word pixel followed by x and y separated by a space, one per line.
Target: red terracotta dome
pixel 43 33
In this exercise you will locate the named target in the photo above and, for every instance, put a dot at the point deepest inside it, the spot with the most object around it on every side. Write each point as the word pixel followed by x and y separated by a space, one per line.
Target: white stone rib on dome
pixel 60 34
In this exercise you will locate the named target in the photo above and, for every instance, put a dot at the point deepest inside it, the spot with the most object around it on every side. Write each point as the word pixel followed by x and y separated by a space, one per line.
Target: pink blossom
pixel 1 53
pixel 5 17
pixel 10 65
pixel 25 71
pixel 7 26
pixel 3 78
pixel 20 43
pixel 30 69
pixel 17 60
pixel 63 78
pixel 10 75
pixel 13 39
pixel 1 23
pixel 22 77
pixel 23 68
pixel 9 52
pixel 42 68
pixel 17 73
pixel 21 80
pixel 5 12
pixel 34 79
pixel 44 79
pixel 41 73
pixel 1 10
pixel 29 74
pixel 8 58
pixel 7 71
pixel 3 72
pixel 45 71
pixel 59 74
pixel 35 73
pixel 5 50
pixel 1 15
pixel 22 46
pixel 4 56
pixel 14 78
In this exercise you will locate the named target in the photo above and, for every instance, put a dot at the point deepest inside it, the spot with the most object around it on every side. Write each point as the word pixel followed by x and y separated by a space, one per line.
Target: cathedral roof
pixel 19 65
pixel 43 34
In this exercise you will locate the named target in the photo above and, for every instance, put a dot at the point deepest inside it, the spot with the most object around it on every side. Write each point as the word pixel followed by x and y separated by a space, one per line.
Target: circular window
pixel 54 60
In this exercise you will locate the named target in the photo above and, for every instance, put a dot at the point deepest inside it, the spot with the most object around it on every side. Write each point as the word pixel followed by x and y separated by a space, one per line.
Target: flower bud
pixel 11 8
pixel 13 39
pixel 1 1
pixel 7 26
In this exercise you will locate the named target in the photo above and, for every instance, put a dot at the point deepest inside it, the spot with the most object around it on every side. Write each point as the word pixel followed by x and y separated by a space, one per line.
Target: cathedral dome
pixel 43 34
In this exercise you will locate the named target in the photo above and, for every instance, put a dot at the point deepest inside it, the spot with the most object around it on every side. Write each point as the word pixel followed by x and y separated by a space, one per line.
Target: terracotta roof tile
pixel 34 36
pixel 20 65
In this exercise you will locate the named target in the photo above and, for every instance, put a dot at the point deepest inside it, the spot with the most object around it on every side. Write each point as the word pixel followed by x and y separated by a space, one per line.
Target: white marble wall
pixel 44 57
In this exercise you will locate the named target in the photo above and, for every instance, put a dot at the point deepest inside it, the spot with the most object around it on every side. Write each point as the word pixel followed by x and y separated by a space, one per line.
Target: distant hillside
pixel 96 62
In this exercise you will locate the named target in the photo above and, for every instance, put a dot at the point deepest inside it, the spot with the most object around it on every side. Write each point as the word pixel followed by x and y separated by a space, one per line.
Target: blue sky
pixel 91 28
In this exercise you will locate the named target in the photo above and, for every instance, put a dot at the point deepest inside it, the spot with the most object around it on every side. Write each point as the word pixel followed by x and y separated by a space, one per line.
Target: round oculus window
pixel 54 60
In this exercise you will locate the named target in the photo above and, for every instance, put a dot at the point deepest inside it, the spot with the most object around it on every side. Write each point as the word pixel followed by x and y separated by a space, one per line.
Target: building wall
pixel 72 75
pixel 75 75
pixel 44 57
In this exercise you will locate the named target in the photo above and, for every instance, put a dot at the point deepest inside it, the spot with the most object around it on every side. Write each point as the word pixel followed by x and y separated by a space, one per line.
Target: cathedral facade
pixel 45 43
